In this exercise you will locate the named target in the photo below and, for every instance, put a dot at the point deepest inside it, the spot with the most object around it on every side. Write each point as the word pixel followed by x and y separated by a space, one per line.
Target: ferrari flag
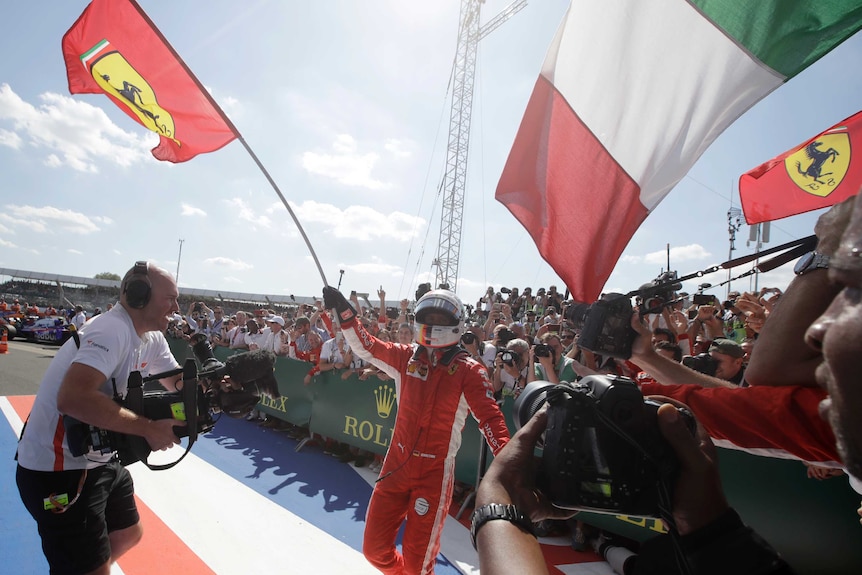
pixel 819 173
pixel 114 48
pixel 629 97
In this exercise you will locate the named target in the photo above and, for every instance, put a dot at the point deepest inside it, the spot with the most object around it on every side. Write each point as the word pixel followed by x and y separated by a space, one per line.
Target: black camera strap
pixel 665 498
pixel 138 446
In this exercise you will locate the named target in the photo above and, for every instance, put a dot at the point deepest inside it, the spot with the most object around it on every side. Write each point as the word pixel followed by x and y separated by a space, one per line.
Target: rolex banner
pixel 114 49
pixel 630 95
pixel 816 174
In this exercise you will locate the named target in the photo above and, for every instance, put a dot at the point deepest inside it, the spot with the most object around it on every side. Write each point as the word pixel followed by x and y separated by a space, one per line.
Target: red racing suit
pixel 435 390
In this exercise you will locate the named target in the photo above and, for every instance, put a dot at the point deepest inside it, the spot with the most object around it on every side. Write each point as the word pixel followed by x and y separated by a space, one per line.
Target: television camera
pixel 209 387
pixel 606 324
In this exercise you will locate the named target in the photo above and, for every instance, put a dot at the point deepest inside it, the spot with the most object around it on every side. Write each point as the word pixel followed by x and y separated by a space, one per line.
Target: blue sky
pixel 346 105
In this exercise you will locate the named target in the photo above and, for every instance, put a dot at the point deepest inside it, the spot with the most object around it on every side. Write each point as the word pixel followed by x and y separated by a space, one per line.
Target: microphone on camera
pixel 254 368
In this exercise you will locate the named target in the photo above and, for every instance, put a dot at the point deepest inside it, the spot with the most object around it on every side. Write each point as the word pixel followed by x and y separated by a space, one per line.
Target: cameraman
pixel 85 506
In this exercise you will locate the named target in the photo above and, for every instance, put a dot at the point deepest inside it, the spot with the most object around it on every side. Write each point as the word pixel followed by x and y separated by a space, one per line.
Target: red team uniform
pixel 437 386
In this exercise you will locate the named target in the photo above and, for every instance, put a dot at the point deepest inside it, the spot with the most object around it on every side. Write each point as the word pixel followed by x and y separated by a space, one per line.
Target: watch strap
pixel 494 511
pixel 812 261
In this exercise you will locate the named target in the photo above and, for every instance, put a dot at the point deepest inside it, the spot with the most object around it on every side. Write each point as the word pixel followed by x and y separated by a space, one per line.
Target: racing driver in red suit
pixel 437 385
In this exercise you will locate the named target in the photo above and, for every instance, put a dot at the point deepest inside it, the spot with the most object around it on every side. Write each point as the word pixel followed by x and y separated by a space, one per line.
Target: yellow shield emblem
pixel 820 166
pixel 118 78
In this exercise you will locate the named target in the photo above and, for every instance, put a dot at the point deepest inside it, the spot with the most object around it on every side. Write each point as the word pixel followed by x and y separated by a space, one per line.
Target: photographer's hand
pixel 698 497
pixel 160 433
pixel 503 547
pixel 511 477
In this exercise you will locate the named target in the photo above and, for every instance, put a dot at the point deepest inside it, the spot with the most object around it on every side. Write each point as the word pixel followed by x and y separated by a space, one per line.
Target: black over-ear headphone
pixel 137 286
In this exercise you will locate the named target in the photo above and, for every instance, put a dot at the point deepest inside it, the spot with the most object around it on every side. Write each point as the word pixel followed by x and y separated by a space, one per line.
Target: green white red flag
pixel 115 49
pixel 818 173
pixel 629 97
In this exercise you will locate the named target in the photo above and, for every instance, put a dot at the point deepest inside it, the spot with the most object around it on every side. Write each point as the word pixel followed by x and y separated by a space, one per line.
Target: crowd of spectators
pixel 519 335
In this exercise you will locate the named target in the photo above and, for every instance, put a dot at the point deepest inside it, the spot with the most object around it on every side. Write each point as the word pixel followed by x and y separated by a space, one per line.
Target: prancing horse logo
pixel 819 167
pixel 116 76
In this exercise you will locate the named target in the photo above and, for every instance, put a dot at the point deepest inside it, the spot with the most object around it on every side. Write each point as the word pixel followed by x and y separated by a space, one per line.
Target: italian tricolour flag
pixel 631 93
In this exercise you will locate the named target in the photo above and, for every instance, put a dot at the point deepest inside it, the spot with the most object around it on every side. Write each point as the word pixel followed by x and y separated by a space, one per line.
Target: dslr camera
pixel 602 449
pixel 469 337
pixel 702 362
pixel 508 357
pixel 541 350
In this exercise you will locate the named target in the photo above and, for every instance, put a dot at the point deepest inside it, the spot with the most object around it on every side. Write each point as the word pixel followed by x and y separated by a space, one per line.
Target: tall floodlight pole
pixel 178 262
pixel 733 224
pixel 455 177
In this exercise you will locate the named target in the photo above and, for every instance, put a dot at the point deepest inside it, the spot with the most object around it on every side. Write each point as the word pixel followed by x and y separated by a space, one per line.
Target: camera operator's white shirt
pixel 110 345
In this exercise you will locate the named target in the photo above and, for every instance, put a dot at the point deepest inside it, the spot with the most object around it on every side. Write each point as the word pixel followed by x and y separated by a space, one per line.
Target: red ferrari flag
pixel 115 49
pixel 817 174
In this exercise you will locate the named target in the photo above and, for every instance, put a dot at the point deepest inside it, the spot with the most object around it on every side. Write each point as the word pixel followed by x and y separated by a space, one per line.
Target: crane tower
pixel 455 176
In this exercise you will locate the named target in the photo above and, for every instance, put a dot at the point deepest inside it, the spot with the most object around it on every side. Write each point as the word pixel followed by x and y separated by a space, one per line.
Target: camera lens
pixel 529 402
pixel 469 337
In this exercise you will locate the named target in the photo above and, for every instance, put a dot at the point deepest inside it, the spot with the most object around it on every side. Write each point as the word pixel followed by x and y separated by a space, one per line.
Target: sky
pixel 347 106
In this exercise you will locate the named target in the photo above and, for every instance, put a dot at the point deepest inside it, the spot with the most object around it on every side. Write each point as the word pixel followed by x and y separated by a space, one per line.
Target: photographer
pixel 477 348
pixel 85 505
pixel 712 538
pixel 499 314
pixel 236 336
pixel 200 318
pixel 512 368
pixel 664 369
pixel 550 364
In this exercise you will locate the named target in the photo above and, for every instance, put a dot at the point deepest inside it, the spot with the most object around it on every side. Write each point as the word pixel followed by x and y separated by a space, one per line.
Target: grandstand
pixel 45 289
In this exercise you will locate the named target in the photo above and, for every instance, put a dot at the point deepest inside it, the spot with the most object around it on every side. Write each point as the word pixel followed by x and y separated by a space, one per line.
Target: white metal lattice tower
pixel 455 176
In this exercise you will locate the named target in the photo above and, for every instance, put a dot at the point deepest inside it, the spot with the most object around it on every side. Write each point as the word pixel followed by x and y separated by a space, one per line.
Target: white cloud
pixel 359 222
pixel 50 219
pixel 231 280
pixel 6 244
pixel 228 263
pixel 678 254
pixel 240 209
pixel 188 210
pixel 399 148
pixel 346 166
pixel 72 132
pixel 76 252
pixel 10 139
pixel 375 267
pixel 626 259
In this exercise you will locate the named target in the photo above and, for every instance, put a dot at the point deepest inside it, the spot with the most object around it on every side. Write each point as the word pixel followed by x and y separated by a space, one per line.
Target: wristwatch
pixel 494 511
pixel 811 261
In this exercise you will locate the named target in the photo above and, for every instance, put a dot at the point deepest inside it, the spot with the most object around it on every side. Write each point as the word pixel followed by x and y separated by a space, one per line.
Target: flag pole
pixel 239 137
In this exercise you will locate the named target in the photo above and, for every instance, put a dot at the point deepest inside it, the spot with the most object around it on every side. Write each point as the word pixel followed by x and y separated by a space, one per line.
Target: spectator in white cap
pixel 275 339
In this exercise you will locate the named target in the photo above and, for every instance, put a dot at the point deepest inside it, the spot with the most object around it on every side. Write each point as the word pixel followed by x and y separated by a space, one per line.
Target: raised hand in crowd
pixel 708 321
pixel 755 312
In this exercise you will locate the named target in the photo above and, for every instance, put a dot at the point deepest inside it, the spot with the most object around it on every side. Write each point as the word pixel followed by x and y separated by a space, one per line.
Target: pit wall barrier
pixel 813 524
